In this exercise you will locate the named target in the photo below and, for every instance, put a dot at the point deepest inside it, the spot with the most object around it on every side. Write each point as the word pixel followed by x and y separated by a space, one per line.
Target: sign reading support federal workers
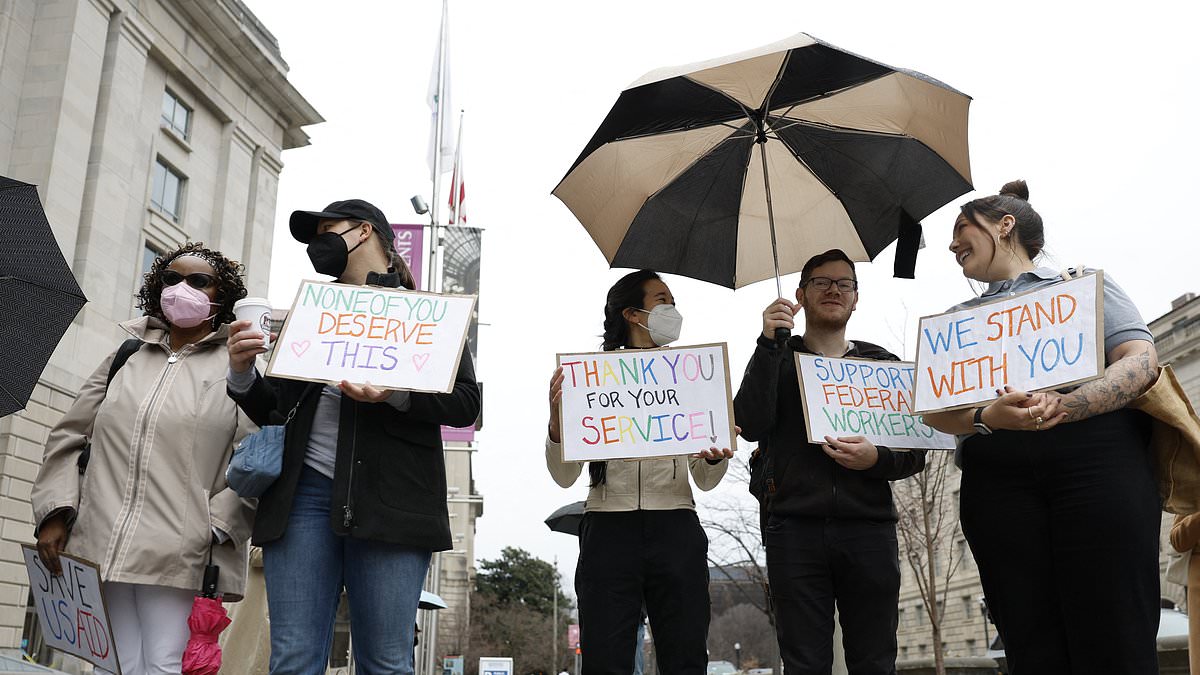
pixel 393 339
pixel 643 403
pixel 1044 339
pixel 859 397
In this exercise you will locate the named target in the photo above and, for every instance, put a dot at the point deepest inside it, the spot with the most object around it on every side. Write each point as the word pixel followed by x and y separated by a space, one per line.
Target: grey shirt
pixel 323 439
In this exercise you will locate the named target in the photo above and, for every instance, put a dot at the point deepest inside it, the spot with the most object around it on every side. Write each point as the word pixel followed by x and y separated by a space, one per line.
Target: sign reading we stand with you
pixel 71 609
pixel 858 397
pixel 1043 339
pixel 642 403
pixel 394 339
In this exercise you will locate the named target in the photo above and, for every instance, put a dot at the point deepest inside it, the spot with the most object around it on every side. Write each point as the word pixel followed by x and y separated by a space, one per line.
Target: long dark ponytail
pixel 629 291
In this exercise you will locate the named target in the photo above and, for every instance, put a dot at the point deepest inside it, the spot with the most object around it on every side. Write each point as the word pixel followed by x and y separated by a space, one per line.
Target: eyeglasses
pixel 823 283
pixel 197 280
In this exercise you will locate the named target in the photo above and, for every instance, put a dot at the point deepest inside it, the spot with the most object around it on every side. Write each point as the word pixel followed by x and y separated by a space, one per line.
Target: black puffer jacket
pixel 389 478
pixel 797 477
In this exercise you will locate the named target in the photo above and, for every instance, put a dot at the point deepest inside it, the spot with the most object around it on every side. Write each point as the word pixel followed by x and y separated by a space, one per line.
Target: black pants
pixel 814 563
pixel 628 558
pixel 1064 525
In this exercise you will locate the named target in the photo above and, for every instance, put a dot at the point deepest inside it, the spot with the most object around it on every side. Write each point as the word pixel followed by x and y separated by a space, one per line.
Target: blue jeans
pixel 305 573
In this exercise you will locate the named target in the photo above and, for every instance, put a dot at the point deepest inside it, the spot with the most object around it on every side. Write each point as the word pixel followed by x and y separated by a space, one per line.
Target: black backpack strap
pixel 127 349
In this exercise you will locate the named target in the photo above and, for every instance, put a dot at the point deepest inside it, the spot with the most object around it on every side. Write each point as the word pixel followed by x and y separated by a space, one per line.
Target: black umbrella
pixel 37 290
pixel 695 165
pixel 567 519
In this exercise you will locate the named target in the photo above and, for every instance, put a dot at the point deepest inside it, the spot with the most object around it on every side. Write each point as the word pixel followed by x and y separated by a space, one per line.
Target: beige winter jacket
pixel 155 486
pixel 649 484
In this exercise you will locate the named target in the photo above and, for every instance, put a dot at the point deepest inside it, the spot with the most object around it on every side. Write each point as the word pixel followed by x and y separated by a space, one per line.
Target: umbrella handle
pixel 782 335
pixel 208 588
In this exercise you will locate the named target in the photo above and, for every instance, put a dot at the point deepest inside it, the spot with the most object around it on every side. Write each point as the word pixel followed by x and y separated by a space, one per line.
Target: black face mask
pixel 329 254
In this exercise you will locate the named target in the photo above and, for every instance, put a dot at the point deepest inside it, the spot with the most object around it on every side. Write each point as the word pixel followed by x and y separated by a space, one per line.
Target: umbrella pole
pixel 781 334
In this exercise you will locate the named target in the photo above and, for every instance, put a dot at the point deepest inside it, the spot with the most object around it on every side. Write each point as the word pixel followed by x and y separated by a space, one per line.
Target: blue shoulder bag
pixel 258 460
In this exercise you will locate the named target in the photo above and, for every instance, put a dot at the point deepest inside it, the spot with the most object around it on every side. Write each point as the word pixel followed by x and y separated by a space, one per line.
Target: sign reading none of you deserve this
pixel 1043 339
pixel 71 610
pixel 641 403
pixel 394 339
pixel 856 397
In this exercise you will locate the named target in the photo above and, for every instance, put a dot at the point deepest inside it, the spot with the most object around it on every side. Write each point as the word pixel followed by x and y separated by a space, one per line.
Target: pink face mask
pixel 184 306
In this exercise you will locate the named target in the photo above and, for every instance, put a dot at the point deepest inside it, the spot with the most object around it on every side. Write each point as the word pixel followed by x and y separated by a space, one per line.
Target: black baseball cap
pixel 304 223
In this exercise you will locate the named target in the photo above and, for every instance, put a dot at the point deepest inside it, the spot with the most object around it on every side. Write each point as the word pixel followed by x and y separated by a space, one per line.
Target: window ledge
pixel 170 132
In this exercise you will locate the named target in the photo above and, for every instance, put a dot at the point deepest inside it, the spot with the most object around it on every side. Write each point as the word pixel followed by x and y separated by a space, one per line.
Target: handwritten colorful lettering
pixel 71 609
pixel 394 339
pixel 633 404
pixel 855 397
pixel 1043 339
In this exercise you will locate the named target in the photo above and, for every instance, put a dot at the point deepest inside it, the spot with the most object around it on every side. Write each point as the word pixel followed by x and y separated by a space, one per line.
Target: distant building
pixel 144 124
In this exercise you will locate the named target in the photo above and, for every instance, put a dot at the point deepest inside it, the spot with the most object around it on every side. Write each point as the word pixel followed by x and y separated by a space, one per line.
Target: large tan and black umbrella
pixel 39 294
pixel 741 168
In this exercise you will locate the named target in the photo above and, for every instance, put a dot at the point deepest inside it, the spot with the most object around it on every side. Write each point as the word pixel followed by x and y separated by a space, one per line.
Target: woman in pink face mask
pixel 133 476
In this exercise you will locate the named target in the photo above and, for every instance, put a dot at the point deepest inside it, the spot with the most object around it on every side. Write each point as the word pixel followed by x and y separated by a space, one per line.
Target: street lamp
pixel 983 611
pixel 737 654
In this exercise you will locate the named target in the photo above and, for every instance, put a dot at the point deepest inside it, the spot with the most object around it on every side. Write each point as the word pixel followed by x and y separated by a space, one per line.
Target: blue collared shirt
pixel 1122 321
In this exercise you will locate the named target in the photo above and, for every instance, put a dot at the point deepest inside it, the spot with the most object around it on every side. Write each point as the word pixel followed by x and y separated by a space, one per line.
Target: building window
pixel 149 255
pixel 175 115
pixel 964 554
pixel 166 193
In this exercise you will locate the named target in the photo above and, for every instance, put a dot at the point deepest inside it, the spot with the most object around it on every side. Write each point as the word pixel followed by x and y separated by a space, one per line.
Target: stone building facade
pixel 144 124
pixel 964 629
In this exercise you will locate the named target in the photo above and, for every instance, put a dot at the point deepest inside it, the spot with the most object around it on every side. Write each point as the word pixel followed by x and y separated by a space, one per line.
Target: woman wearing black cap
pixel 361 501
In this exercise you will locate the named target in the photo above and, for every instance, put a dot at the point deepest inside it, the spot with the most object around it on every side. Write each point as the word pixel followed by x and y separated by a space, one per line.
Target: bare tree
pixel 928 529
pixel 735 545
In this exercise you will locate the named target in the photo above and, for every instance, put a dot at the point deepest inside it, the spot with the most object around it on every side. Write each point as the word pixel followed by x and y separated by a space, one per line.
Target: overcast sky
pixel 1096 109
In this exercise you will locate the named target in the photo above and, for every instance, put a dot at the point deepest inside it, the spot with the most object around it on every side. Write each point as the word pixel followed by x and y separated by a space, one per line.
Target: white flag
pixel 440 111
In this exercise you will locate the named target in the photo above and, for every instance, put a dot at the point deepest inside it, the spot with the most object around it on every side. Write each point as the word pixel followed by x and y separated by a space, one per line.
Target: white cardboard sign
pixel 858 397
pixel 394 339
pixel 71 609
pixel 1044 339
pixel 643 403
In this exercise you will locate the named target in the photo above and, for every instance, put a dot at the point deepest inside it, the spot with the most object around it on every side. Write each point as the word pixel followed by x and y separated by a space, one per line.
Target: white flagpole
pixel 435 233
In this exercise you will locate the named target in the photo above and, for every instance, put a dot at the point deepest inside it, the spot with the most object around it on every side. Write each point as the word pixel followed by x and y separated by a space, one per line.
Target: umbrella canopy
pixel 431 601
pixel 743 167
pixel 567 519
pixel 37 290
pixel 202 656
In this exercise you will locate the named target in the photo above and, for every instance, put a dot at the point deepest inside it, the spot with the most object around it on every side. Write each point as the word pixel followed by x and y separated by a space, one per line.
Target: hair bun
pixel 1016 188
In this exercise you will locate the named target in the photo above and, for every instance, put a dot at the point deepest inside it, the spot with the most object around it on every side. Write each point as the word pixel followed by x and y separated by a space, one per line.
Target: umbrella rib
pixel 680 130
pixel 795 121
pixel 48 288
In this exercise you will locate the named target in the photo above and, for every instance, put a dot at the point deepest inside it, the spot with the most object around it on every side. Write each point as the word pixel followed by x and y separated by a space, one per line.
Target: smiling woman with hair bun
pixel 1059 500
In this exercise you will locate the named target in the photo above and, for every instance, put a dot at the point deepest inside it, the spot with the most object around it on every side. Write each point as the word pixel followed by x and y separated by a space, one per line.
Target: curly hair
pixel 230 287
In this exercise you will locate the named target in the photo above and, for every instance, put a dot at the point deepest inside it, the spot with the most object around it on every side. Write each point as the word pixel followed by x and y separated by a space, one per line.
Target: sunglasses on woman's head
pixel 197 280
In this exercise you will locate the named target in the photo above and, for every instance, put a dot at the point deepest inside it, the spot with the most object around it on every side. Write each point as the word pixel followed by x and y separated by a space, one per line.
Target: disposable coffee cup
pixel 258 312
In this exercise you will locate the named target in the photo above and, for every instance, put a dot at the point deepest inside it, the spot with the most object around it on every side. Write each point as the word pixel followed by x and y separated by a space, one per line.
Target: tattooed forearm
pixel 1123 381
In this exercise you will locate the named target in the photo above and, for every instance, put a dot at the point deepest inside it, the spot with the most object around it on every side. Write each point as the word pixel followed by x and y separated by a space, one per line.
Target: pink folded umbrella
pixel 202 656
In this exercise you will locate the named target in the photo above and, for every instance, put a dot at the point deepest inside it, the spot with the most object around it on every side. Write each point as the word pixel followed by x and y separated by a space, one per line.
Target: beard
pixel 827 316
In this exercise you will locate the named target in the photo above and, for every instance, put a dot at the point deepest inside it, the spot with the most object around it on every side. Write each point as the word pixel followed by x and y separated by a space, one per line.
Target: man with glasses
pixel 830 529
